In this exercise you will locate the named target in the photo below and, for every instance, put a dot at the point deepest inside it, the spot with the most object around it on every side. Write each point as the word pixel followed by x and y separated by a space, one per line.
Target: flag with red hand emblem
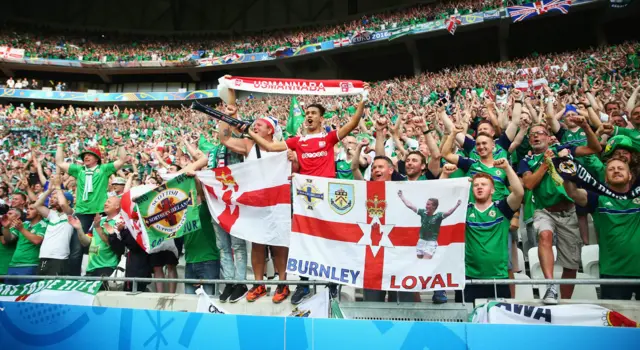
pixel 252 200
pixel 403 236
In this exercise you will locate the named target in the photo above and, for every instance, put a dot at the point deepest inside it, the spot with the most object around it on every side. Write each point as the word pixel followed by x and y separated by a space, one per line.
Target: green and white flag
pixel 52 292
pixel 168 211
pixel 296 118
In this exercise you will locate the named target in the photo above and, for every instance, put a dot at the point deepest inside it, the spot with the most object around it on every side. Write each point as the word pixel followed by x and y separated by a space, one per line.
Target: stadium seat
pixel 591 260
pixel 523 291
pixel 521 263
pixel 584 291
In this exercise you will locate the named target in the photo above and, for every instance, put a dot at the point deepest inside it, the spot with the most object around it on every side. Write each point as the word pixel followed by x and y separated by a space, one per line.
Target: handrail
pixel 581 281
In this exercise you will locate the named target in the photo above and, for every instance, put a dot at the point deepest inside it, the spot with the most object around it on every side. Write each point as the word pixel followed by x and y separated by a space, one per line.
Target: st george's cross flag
pixel 252 200
pixel 404 236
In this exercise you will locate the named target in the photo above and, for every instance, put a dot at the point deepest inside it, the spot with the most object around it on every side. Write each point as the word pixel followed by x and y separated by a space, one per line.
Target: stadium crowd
pixel 117 47
pixel 64 169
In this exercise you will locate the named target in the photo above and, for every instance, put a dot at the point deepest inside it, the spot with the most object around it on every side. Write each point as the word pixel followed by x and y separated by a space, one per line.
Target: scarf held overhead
pixel 289 86
pixel 571 170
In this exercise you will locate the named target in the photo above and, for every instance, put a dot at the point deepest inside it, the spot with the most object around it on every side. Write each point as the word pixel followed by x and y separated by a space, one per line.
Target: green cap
pixel 619 141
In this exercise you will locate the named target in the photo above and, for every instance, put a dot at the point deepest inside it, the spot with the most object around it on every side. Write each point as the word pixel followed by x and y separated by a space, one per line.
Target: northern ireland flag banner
pixel 399 236
pixel 252 200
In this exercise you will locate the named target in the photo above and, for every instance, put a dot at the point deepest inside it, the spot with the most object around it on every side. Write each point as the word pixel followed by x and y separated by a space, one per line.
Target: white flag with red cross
pixel 252 200
pixel 452 24
pixel 404 236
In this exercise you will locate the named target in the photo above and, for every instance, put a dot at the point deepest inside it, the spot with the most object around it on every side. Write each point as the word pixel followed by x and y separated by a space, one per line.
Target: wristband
pixel 365 95
pixel 587 106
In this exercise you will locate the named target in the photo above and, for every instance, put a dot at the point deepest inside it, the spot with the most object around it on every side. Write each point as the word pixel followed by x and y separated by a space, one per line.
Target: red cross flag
pixel 379 235
pixel 452 24
pixel 252 200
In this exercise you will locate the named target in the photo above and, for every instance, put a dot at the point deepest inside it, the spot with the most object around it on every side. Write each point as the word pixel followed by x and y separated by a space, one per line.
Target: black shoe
pixel 228 289
pixel 239 292
pixel 301 293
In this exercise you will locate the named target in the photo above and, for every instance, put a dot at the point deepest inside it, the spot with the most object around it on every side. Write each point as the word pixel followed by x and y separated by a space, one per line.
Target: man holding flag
pixel 268 129
pixel 315 152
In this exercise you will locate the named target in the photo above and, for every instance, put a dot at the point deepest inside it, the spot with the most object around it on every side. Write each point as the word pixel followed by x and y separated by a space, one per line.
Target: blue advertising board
pixel 34 326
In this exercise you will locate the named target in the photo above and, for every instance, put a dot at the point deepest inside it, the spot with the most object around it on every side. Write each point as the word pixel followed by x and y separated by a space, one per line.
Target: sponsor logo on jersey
pixel 322 144
pixel 314 154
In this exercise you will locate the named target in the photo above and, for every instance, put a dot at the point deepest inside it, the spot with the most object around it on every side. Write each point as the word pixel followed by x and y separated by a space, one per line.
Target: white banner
pixel 252 200
pixel 206 305
pixel 11 53
pixel 574 315
pixel 52 292
pixel 315 307
pixel 367 234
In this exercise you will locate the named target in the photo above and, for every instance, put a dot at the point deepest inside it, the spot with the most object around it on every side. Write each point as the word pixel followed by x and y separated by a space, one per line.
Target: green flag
pixel 169 211
pixel 295 117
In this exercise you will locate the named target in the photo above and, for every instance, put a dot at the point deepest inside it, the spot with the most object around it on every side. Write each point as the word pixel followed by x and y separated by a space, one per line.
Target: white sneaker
pixel 550 296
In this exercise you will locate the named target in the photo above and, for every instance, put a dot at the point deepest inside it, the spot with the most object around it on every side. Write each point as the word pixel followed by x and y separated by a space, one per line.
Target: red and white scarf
pixel 289 86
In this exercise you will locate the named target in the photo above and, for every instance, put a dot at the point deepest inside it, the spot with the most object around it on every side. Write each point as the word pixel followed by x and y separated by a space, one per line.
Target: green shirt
pixel 100 254
pixel 501 183
pixel 487 241
pixel 27 253
pixel 6 253
pixel 430 225
pixel 617 222
pixel 201 245
pixel 221 156
pixel 343 170
pixel 95 202
pixel 548 193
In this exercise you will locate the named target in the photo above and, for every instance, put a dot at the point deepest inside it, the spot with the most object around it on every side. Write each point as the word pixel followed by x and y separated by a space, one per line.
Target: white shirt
pixel 263 154
pixel 57 237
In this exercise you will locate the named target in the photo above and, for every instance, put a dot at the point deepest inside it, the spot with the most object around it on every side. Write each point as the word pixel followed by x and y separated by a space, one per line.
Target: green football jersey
pixel 27 253
pixel 100 254
pixel 548 193
pixel 577 138
pixel 430 225
pixel 201 245
pixel 617 222
pixel 499 176
pixel 487 241
pixel 343 170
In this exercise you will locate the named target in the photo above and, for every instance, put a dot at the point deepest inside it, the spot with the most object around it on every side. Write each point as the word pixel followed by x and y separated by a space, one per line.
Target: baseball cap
pixel 119 181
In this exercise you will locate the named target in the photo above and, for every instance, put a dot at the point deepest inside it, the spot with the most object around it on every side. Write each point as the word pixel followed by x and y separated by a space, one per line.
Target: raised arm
pixel 277 146
pixel 62 200
pixel 355 120
pixel 407 203
pixel 355 161
pixel 60 163
pixel 39 204
pixel 631 103
pixel 447 147
pixel 447 214
pixel 122 153
pixel 225 134
pixel 32 237
pixel 517 191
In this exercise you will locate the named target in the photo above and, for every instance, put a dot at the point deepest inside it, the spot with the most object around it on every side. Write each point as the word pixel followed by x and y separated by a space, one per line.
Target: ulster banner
pixel 404 236
pixel 252 200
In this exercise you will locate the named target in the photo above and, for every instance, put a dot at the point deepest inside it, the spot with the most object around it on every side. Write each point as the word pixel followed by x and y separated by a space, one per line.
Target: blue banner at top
pixel 117 97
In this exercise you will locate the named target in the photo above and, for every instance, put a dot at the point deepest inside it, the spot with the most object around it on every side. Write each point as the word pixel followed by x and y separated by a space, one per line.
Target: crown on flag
pixel 376 207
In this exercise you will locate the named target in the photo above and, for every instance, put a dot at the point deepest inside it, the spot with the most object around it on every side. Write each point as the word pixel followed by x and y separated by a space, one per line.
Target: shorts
pixel 426 247
pixel 163 258
pixel 564 225
pixel 52 267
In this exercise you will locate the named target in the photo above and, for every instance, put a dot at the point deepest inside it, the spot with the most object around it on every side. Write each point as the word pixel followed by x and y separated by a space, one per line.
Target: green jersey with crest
pixel 548 193
pixel 499 176
pixel 343 170
pixel 100 254
pixel 487 241
pixel 617 222
pixel 430 225
pixel 27 253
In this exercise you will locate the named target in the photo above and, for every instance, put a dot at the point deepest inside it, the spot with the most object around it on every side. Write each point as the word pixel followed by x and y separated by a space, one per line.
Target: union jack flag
pixel 522 12
pixel 452 24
